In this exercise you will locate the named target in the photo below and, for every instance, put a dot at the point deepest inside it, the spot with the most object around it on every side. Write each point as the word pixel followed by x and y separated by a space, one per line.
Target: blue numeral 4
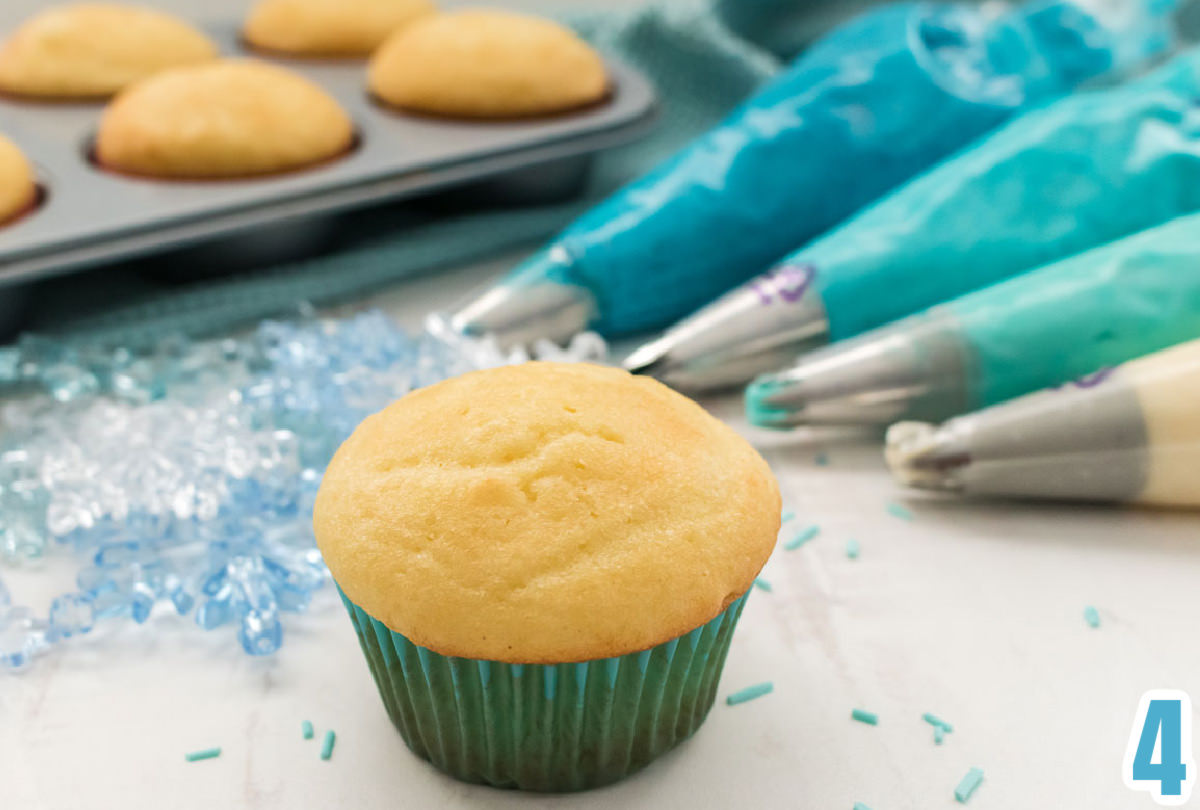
pixel 1164 726
pixel 1163 721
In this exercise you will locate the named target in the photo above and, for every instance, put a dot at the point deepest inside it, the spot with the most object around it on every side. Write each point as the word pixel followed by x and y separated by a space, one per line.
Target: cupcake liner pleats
pixel 541 727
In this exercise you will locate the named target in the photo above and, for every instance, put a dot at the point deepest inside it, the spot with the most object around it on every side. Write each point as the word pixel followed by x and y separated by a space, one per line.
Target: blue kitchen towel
pixel 701 70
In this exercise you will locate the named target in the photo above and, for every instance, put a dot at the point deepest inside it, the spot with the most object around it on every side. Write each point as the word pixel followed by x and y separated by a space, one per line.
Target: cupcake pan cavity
pixel 90 215
pixel 556 727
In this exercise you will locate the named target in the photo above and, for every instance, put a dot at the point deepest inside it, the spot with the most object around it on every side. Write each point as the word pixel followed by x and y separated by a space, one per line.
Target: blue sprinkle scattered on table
pixel 207 753
pixel 762 585
pixel 852 549
pixel 306 728
pixel 968 785
pixel 822 460
pixel 750 693
pixel 786 516
pixel 327 745
pixel 864 716
pixel 899 510
pixel 1091 616
pixel 802 537
pixel 933 720
pixel 939 735
pixel 860 806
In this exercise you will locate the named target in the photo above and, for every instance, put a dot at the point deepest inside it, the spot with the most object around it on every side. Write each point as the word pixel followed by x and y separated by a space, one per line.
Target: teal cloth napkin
pixel 703 57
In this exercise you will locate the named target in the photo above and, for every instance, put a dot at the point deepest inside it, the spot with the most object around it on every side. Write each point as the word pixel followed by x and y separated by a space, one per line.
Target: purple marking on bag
pixel 1088 380
pixel 787 283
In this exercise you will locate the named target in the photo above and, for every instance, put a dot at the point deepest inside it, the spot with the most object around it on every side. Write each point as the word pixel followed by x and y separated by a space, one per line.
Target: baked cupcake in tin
pixel 93 50
pixel 18 189
pixel 328 28
pixel 544 564
pixel 484 63
pixel 233 118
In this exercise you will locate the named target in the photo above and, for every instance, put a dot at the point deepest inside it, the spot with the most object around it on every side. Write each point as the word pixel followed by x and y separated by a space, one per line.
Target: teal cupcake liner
pixel 554 727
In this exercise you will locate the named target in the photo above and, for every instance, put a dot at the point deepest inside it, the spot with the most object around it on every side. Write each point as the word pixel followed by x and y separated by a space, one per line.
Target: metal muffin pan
pixel 89 215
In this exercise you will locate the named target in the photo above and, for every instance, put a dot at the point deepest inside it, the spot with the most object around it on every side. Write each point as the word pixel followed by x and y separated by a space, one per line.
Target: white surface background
pixel 970 611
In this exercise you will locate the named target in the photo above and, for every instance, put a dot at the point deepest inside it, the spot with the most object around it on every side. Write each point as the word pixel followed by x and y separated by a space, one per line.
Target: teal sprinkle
pixel 822 460
pixel 327 745
pixel 787 515
pixel 897 510
pixel 207 753
pixel 968 785
pixel 939 734
pixel 860 806
pixel 852 549
pixel 306 729
pixel 1091 616
pixel 933 720
pixel 802 537
pixel 750 693
pixel 864 716
pixel 762 585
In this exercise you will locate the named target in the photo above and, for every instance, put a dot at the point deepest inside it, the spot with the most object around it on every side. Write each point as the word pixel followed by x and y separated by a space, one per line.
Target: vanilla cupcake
pixel 233 118
pixel 328 27
pixel 18 190
pixel 93 50
pixel 481 63
pixel 544 564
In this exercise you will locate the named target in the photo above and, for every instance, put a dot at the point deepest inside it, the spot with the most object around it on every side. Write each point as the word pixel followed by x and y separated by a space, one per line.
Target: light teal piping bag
pixel 867 107
pixel 1078 173
pixel 1055 324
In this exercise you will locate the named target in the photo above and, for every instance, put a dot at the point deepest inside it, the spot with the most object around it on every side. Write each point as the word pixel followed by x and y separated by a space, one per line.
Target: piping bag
pixel 1109 305
pixel 878 100
pixel 1127 434
pixel 1078 173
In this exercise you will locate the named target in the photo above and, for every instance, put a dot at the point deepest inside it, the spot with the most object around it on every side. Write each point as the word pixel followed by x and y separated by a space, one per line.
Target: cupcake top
pixel 481 63
pixel 231 118
pixel 545 513
pixel 92 50
pixel 17 186
pixel 329 27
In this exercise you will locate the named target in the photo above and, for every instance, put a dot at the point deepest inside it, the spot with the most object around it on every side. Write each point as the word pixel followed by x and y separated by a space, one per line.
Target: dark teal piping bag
pixel 873 103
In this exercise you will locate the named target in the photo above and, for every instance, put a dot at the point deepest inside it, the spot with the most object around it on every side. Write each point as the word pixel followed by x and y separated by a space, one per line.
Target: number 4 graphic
pixel 1163 725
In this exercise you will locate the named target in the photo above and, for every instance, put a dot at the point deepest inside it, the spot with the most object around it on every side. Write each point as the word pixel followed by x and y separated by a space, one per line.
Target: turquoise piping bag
pixel 880 99
pixel 1078 173
pixel 1055 324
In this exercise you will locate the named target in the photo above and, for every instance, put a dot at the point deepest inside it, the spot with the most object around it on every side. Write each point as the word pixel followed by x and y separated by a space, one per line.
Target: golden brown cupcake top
pixel 544 513
pixel 17 186
pixel 232 118
pixel 329 27
pixel 92 50
pixel 482 63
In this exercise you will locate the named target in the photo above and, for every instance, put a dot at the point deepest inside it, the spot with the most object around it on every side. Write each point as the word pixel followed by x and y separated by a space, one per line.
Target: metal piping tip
pixel 812 395
pixel 924 456
pixel 649 358
pixel 733 339
pixel 528 306
pixel 873 380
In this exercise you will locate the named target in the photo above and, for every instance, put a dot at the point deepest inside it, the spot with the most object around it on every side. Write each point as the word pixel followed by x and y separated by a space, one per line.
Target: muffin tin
pixel 90 215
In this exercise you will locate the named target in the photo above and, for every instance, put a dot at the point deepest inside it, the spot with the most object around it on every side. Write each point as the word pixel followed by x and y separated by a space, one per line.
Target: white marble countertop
pixel 970 611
